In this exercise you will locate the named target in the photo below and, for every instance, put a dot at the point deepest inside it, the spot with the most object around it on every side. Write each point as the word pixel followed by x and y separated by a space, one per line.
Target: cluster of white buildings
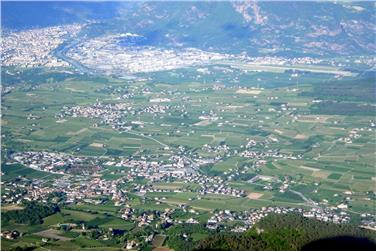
pixel 268 154
pixel 177 167
pixel 50 161
pixel 218 149
pixel 214 185
pixel 107 55
pixel 33 48
pixel 252 216
pixel 108 113
pixel 112 114
pixel 356 133
pixel 221 189
pixel 89 190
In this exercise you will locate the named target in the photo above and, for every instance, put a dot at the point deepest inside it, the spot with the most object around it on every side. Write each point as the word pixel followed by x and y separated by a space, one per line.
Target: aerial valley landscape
pixel 234 125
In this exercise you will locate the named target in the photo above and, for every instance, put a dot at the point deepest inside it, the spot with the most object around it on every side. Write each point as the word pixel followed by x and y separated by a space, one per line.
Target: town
pixel 33 48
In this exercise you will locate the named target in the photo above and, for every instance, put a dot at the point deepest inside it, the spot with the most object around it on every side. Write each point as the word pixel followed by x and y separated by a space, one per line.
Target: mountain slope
pixel 257 28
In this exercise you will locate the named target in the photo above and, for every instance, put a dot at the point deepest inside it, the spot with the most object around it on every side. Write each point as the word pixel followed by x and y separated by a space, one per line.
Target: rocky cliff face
pixel 280 28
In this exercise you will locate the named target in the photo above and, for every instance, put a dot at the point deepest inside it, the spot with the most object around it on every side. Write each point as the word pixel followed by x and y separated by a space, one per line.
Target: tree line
pixel 32 214
pixel 290 232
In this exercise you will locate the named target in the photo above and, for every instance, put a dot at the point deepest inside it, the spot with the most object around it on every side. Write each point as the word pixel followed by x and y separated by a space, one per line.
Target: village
pixel 92 189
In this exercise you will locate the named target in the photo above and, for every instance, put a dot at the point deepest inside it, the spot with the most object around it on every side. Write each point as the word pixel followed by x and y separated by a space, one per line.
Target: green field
pixel 297 140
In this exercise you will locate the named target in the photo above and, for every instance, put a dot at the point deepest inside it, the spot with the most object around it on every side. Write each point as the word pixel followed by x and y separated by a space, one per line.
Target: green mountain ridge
pixel 262 28
pixel 320 29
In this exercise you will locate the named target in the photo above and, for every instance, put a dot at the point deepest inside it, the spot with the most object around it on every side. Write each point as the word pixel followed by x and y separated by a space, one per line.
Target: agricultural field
pixel 187 125
pixel 283 117
pixel 264 144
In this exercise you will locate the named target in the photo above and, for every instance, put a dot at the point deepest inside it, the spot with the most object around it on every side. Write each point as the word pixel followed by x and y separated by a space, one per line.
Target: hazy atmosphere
pixel 188 125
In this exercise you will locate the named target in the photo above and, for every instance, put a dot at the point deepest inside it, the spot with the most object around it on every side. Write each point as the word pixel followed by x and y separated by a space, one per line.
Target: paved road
pixel 308 201
pixel 148 137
